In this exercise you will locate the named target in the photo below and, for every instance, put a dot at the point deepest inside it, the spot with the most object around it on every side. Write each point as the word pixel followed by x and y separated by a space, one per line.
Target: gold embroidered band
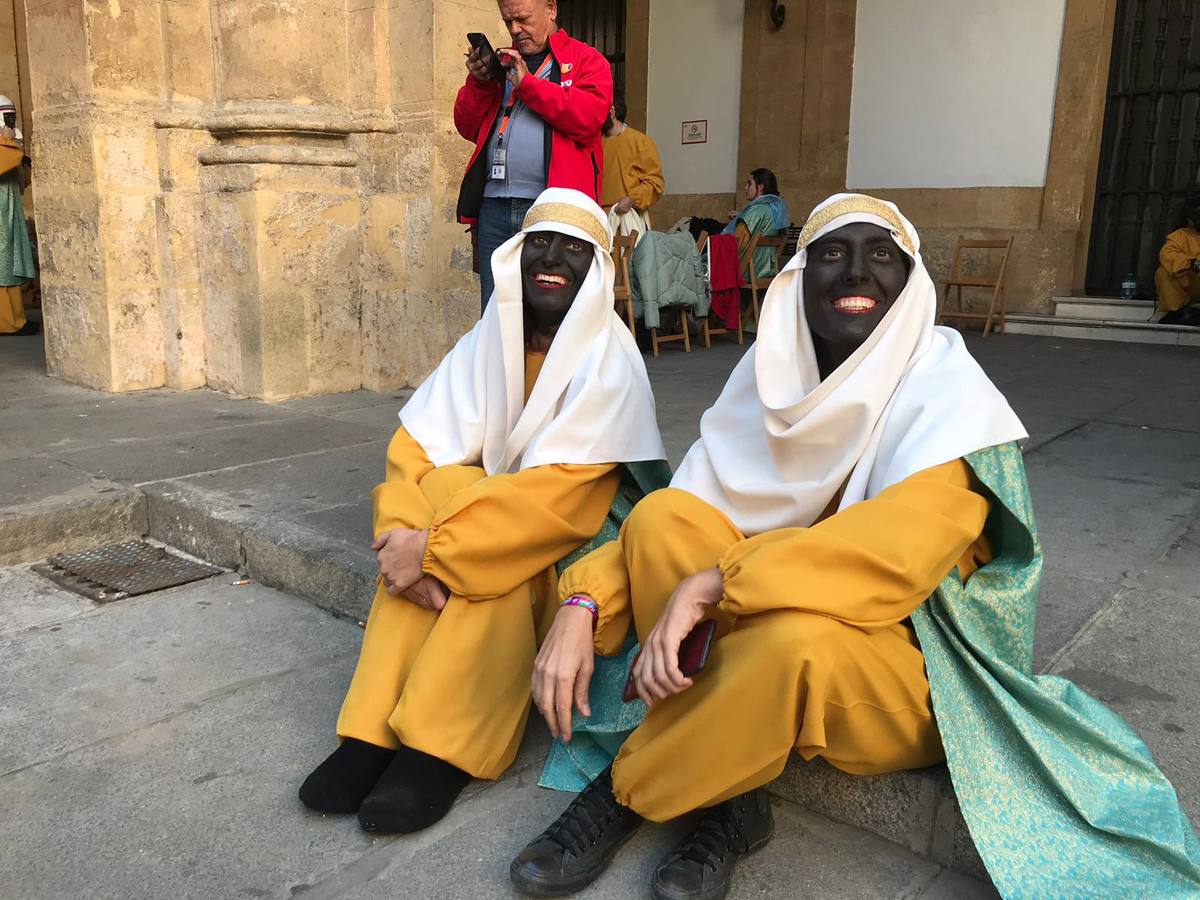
pixel 569 215
pixel 856 203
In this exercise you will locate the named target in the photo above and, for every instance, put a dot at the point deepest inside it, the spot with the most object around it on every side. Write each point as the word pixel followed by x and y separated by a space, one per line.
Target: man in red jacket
pixel 540 127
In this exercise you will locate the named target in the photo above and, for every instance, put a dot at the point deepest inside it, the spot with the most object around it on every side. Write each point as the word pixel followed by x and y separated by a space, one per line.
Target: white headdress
pixel 592 402
pixel 779 443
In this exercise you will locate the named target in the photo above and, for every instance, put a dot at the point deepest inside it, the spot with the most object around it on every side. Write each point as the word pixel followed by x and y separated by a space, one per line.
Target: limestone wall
pixel 256 195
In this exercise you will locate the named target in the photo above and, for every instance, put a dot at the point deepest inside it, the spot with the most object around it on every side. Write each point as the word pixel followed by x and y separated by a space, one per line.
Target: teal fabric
pixel 767 215
pixel 16 253
pixel 664 271
pixel 595 740
pixel 1061 796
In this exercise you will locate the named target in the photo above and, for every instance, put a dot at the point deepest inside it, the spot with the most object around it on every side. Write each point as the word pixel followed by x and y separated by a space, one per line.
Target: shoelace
pixel 719 831
pixel 583 822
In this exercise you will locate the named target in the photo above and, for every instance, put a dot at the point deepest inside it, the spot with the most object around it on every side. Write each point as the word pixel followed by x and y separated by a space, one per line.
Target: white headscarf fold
pixel 779 443
pixel 592 402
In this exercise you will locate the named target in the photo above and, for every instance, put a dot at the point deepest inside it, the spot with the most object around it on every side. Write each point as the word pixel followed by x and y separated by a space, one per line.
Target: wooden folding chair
pixel 957 280
pixel 622 249
pixel 761 283
pixel 683 335
pixel 709 331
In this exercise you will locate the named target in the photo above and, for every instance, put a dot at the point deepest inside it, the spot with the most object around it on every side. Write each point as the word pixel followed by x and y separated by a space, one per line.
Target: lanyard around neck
pixel 512 102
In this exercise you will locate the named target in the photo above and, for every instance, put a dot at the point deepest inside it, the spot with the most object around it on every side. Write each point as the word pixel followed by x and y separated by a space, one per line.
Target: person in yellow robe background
pixel 508 459
pixel 1177 278
pixel 633 176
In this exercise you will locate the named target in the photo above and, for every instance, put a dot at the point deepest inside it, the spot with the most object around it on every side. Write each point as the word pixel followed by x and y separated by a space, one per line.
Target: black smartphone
pixel 480 42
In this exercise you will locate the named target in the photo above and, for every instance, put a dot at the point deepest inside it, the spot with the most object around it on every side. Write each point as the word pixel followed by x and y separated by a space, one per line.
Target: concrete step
pixel 1103 309
pixel 1104 330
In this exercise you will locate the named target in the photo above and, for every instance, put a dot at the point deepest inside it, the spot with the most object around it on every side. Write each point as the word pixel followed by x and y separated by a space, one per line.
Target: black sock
pixel 339 784
pixel 416 791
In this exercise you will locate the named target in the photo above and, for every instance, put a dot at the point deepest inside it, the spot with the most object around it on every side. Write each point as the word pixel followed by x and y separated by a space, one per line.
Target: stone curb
pixel 102 513
pixel 916 810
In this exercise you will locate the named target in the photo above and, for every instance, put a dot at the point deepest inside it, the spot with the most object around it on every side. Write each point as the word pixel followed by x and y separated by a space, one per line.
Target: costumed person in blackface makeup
pixel 524 449
pixel 855 517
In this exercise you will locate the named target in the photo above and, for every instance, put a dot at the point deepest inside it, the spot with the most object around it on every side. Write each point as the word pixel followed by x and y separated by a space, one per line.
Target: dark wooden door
pixel 600 23
pixel 1150 148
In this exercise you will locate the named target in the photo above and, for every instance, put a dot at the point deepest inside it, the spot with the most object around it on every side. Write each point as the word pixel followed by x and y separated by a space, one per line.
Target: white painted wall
pixel 695 72
pixel 953 93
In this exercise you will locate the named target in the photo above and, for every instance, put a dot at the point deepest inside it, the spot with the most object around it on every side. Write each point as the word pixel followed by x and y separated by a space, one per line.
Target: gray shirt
pixel 525 146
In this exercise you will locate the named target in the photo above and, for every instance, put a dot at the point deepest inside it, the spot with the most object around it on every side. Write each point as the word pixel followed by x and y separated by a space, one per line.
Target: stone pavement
pixel 280 491
pixel 152 749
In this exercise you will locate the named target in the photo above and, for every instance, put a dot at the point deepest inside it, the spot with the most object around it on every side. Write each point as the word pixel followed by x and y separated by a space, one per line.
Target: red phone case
pixel 693 655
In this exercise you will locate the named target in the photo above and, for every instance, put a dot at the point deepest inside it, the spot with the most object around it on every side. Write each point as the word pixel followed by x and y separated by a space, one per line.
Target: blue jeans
pixel 499 219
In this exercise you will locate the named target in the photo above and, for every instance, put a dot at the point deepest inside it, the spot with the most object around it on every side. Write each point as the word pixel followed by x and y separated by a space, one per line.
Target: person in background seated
pixel 855 518
pixel 1178 276
pixel 633 178
pixel 16 252
pixel 765 213
pixel 512 455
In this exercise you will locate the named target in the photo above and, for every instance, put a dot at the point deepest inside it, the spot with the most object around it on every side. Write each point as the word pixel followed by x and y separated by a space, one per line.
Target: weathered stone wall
pixel 256 195
pixel 795 120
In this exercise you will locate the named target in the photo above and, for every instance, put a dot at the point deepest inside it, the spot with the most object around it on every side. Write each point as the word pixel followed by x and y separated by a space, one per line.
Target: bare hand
pixel 477 67
pixel 1196 265
pixel 515 63
pixel 401 554
pixel 563 669
pixel 624 205
pixel 428 593
pixel 656 673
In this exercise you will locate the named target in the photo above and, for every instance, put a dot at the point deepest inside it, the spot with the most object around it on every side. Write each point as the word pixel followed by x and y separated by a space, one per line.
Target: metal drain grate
pixel 118 571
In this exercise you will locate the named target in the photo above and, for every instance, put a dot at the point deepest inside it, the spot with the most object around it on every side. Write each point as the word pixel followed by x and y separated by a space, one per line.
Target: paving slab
pixel 1066 603
pixel 136 661
pixel 1140 659
pixel 176 455
pixel 28 600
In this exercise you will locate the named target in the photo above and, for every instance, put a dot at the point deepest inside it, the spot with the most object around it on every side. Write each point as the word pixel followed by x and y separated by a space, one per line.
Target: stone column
pixel 254 195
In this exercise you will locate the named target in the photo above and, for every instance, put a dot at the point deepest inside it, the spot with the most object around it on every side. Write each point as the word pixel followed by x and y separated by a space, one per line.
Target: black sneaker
pixel 701 867
pixel 571 853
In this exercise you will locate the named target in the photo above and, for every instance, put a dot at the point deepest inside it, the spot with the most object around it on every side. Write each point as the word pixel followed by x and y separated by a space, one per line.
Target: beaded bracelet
pixel 587 603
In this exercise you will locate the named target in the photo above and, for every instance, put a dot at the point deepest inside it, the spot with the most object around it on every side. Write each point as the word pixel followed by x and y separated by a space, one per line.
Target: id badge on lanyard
pixel 500 155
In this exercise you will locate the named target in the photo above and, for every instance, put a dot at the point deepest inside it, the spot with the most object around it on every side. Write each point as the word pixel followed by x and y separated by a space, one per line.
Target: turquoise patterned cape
pixel 16 253
pixel 1061 796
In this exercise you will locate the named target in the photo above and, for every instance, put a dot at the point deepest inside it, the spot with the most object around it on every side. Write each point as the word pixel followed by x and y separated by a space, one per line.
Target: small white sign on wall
pixel 695 132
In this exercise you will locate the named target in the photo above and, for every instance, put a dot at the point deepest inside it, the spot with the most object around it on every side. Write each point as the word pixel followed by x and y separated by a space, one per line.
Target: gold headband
pixel 857 203
pixel 566 214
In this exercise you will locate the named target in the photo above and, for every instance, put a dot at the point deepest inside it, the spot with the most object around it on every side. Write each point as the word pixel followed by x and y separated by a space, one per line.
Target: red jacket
pixel 575 107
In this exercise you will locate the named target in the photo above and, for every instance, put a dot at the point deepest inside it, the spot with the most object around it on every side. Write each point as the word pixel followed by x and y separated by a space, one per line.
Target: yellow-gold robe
pixel 816 654
pixel 631 169
pixel 456 684
pixel 1177 285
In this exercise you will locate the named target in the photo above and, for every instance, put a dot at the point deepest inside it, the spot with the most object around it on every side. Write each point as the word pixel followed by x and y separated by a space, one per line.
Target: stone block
pixel 183 337
pixel 125 49
pixel 309 238
pixel 62 155
pixel 384 240
pixel 291 51
pixel 136 342
pixel 57 31
pixel 76 329
pixel 178 168
pixel 126 159
pixel 129 232
pixel 69 240
pixel 190 60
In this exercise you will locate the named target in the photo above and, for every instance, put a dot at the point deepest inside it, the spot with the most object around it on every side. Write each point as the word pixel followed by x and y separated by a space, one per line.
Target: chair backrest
pixel 701 241
pixel 622 250
pixel 770 243
pixel 956 267
pixel 792 242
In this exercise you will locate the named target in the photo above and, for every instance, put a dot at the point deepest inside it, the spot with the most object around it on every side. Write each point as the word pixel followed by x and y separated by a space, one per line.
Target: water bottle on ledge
pixel 1128 287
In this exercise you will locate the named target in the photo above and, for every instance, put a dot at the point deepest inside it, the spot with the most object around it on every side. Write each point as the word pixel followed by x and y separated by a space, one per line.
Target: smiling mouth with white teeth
pixel 545 279
pixel 854 306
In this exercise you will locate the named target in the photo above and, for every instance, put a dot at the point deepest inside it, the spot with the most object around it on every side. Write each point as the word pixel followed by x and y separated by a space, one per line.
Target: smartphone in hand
pixel 693 656
pixel 480 42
